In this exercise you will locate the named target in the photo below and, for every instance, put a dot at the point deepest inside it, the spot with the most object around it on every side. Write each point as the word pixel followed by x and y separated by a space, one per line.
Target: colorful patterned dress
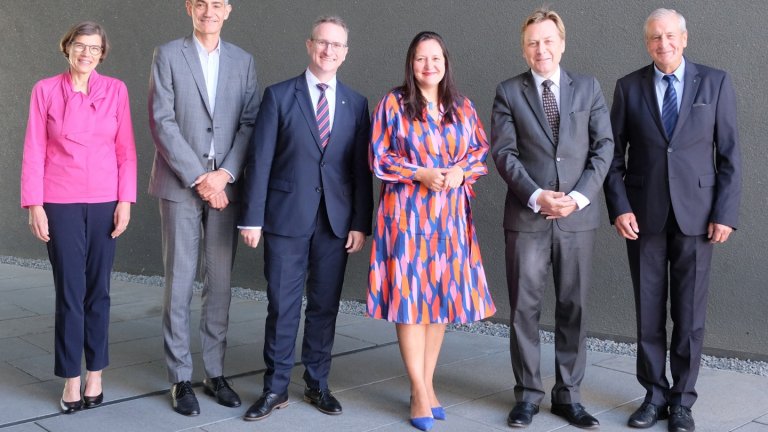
pixel 425 262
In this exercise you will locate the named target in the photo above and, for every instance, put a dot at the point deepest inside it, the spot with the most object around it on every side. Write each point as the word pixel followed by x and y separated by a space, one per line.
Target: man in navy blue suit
pixel 308 189
pixel 672 191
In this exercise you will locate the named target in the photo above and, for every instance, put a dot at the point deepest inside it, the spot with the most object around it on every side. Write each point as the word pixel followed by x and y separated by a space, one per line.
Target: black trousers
pixel 670 265
pixel 81 252
pixel 317 260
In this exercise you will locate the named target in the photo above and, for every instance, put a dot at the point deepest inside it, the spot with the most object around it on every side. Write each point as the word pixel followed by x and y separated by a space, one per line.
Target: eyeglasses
pixel 78 47
pixel 323 44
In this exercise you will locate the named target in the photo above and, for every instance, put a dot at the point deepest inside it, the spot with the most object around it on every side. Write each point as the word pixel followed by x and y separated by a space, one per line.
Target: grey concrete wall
pixel 604 38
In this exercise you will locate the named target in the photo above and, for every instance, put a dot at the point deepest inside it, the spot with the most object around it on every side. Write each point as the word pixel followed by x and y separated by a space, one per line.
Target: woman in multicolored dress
pixel 427 147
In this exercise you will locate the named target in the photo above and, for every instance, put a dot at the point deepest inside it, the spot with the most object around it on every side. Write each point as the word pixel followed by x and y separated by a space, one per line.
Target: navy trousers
pixel 318 260
pixel 81 253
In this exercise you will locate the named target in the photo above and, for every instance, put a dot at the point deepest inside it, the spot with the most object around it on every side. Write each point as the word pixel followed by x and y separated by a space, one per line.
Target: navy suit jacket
pixel 697 171
pixel 287 171
pixel 527 158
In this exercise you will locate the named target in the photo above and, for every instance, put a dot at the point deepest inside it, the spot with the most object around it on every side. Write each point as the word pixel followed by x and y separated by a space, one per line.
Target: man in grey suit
pixel 203 101
pixel 552 144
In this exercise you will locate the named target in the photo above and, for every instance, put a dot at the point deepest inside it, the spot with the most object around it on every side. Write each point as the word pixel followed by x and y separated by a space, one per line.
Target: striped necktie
pixel 669 106
pixel 323 120
pixel 550 108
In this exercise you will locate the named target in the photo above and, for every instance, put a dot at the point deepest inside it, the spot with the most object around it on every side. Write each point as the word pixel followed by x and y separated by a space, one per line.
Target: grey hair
pixel 663 13
pixel 333 19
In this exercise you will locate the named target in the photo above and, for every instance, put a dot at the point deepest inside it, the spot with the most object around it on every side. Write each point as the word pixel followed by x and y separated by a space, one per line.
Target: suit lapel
pixel 690 88
pixel 305 104
pixel 649 95
pixel 193 61
pixel 531 94
pixel 566 101
pixel 225 69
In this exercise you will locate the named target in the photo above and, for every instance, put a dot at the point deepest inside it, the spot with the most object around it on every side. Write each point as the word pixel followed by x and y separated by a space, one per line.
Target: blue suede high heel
pixel 423 423
pixel 438 413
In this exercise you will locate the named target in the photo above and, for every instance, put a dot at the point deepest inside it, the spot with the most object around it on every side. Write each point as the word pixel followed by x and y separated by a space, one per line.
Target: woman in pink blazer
pixel 78 180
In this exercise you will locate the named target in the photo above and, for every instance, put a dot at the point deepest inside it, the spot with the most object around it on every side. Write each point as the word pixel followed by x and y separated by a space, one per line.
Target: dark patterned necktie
pixel 323 120
pixel 550 108
pixel 669 106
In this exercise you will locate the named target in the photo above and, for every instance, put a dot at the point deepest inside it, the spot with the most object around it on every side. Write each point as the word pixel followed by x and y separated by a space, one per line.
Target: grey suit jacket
pixel 527 158
pixel 181 121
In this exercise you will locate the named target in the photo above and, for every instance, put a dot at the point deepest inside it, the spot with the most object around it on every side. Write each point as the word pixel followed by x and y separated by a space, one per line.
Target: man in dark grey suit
pixel 203 101
pixel 673 191
pixel 308 189
pixel 552 144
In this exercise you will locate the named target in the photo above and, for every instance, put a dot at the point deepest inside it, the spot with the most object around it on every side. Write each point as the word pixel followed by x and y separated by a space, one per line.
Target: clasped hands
pixel 555 205
pixel 440 179
pixel 210 186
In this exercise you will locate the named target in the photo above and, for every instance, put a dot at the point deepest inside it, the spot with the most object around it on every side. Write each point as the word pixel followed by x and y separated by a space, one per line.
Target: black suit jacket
pixel 287 171
pixel 697 172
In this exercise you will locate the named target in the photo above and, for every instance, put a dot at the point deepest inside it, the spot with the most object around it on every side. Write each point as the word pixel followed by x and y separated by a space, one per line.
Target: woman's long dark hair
pixel 447 94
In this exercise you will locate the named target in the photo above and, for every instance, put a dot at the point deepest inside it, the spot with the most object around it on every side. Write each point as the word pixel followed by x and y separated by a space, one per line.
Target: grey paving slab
pixel 752 427
pixel 22 326
pixel 247 311
pixel 43 340
pixel 18 348
pixel 39 366
pixel 12 377
pixel 370 330
pixel 454 423
pixel 26 427
pixel 31 401
pixel 128 330
pixel 39 300
pixel 763 419
pixel 135 310
pixel 10 311
pixel 9 271
pixel 363 368
pixel 39 278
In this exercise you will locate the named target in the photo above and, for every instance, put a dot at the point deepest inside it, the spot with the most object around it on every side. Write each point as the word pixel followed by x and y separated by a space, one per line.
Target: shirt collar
pixel 555 78
pixel 313 81
pixel 678 73
pixel 201 49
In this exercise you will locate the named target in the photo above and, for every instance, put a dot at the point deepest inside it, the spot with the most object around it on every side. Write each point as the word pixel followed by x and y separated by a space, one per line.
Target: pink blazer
pixel 78 148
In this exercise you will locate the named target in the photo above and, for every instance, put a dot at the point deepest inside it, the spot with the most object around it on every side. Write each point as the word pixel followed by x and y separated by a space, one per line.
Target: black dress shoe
pixel 576 415
pixel 219 388
pixel 680 419
pixel 323 400
pixel 70 407
pixel 93 401
pixel 522 414
pixel 647 415
pixel 184 399
pixel 264 406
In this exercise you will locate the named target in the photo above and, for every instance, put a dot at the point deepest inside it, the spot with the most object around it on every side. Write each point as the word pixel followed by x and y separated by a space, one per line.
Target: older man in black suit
pixel 673 192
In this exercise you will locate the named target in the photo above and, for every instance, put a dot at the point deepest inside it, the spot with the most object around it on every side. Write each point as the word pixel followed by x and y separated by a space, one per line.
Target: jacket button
pixel 318 189
pixel 322 164
pixel 205 155
pixel 669 150
pixel 209 129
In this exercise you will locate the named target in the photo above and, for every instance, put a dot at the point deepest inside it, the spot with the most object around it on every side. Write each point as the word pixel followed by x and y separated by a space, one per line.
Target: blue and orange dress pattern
pixel 425 261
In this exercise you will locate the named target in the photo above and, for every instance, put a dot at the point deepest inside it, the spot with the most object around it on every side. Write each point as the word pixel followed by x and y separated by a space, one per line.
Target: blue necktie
pixel 669 106
pixel 323 119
